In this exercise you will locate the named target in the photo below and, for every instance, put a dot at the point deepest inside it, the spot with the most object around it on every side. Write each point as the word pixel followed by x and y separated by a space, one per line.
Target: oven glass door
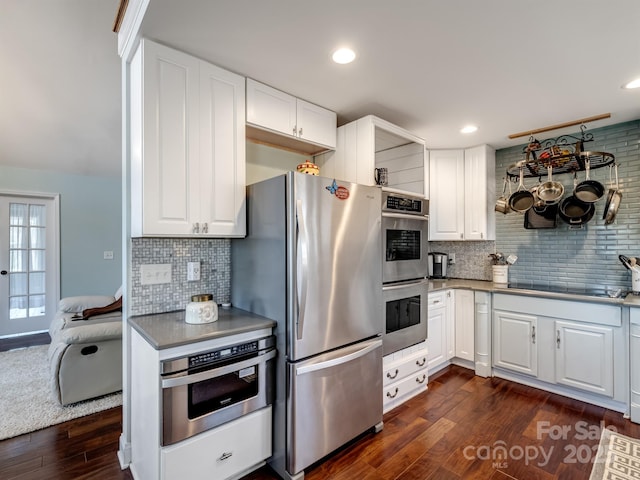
pixel 219 392
pixel 405 315
pixel 404 254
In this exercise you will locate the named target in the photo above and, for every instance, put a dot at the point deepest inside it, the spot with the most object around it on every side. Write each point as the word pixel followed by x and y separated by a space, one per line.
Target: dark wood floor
pixel 443 434
pixel 24 341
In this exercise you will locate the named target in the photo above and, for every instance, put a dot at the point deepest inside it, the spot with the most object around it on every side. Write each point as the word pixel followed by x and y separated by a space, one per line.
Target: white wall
pixel 90 223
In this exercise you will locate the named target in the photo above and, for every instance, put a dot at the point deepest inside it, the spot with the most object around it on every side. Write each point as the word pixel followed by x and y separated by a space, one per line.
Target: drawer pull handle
pixel 533 334
pixel 392 395
pixel 558 338
pixel 224 456
pixel 392 376
pixel 436 301
pixel 421 380
pixel 421 364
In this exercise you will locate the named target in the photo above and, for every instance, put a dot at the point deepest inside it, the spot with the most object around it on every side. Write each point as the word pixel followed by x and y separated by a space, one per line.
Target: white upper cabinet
pixel 276 111
pixel 188 146
pixel 462 187
pixel 369 143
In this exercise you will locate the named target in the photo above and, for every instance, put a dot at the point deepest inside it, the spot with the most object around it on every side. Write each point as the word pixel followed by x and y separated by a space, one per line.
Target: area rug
pixel 26 400
pixel 618 458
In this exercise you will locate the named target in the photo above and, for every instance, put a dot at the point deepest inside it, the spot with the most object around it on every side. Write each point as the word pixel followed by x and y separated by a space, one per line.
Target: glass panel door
pixel 28 266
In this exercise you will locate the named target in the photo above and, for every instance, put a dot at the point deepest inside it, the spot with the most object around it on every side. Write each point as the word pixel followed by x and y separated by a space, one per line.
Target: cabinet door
pixel 270 108
pixel 450 323
pixel 221 172
pixel 634 363
pixel 464 324
pixel 167 159
pixel 479 188
pixel 437 334
pixel 446 187
pixel 514 342
pixel 316 124
pixel 584 356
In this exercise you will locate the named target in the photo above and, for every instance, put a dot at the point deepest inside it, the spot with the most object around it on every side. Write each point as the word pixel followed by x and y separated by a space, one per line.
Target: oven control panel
pixel 222 354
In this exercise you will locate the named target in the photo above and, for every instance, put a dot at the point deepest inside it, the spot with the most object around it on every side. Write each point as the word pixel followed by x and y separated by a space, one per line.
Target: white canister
pixel 635 280
pixel 201 309
pixel 500 273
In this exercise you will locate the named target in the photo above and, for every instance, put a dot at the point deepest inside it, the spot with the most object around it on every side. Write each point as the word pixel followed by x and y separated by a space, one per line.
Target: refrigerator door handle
pixel 302 264
pixel 340 360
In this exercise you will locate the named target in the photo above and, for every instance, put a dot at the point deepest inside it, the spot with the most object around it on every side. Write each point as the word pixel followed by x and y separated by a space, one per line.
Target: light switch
pixel 153 274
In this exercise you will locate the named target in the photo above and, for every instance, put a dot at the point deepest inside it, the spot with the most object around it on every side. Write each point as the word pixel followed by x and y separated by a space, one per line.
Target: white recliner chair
pixel 85 355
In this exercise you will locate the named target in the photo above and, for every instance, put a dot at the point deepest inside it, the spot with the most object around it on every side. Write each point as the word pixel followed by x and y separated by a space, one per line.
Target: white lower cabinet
pixel 437 330
pixel 634 362
pixel 573 348
pixel 464 325
pixel 405 375
pixel 223 452
pixel 514 342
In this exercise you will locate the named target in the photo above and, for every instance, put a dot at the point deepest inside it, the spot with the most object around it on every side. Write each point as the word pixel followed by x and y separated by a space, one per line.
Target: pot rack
pixel 565 154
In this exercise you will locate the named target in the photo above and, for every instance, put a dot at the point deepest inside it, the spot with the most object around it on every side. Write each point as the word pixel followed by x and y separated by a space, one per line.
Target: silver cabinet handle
pixel 558 338
pixel 424 360
pixel 392 395
pixel 392 376
pixel 533 334
pixel 295 130
pixel 300 132
pixel 224 456
pixel 196 228
pixel 205 227
pixel 461 236
pixel 421 380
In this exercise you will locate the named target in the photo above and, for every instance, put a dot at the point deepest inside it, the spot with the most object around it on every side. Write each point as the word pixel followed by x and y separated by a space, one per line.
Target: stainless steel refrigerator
pixel 312 262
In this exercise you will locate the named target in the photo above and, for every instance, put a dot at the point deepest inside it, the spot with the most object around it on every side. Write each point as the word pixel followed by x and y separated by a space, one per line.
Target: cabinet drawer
pixel 406 366
pixel 398 390
pixel 222 452
pixel 436 299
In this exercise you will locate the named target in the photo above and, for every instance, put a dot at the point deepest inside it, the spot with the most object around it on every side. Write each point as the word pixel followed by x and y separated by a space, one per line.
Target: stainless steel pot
pixel 502 204
pixel 550 192
pixel 588 191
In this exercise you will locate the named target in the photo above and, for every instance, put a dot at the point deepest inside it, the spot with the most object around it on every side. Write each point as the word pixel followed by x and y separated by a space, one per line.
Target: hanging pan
pixel 522 199
pixel 550 192
pixel 502 204
pixel 614 196
pixel 588 191
pixel 576 212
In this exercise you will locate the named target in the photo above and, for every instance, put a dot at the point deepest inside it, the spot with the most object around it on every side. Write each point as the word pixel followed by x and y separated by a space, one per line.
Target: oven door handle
pixel 406 216
pixel 185 379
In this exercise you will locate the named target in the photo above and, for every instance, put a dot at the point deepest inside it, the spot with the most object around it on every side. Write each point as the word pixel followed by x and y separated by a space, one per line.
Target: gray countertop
pixel 630 300
pixel 166 330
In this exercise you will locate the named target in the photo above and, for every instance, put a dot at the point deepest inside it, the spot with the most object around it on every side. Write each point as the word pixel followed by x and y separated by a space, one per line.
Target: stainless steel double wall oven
pixel 405 227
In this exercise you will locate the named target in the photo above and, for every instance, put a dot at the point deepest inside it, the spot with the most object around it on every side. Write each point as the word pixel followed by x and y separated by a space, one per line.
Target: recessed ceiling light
pixel 632 84
pixel 469 129
pixel 343 55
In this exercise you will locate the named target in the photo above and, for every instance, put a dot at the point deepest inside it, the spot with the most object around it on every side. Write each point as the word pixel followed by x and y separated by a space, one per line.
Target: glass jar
pixel 201 309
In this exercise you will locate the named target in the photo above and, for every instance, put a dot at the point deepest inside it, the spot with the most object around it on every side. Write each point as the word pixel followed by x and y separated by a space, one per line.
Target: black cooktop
pixel 606 292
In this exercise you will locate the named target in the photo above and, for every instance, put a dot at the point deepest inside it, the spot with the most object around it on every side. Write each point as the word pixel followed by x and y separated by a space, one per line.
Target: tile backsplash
pixel 214 256
pixel 472 258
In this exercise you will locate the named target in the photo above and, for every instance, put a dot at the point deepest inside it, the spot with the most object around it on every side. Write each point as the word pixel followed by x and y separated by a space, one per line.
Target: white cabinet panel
pixel 464 324
pixel 271 109
pixel 584 356
pixel 405 375
pixel 221 453
pixel 514 342
pixel 634 363
pixel 188 146
pixel 437 345
pixel 462 194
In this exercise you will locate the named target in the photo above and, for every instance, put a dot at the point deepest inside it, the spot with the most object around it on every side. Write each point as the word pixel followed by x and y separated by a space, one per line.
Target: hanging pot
pixel 522 199
pixel 502 204
pixel 550 192
pixel 576 212
pixel 614 196
pixel 588 191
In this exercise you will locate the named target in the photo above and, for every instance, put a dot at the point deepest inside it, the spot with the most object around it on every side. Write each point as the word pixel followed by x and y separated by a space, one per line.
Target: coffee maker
pixel 438 265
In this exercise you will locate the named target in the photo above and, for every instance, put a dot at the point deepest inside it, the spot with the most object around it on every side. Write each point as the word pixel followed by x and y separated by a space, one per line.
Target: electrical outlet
pixel 154 274
pixel 193 271
pixel 108 254
pixel 452 258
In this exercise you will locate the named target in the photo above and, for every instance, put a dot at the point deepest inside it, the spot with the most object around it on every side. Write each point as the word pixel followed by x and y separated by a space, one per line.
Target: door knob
pixel 3 272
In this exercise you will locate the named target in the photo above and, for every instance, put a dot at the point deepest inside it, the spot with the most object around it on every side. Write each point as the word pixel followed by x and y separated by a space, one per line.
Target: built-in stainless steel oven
pixel 405 315
pixel 405 231
pixel 207 389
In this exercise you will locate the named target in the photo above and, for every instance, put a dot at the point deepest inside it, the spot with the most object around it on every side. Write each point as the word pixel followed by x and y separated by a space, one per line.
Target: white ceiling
pixel 430 66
